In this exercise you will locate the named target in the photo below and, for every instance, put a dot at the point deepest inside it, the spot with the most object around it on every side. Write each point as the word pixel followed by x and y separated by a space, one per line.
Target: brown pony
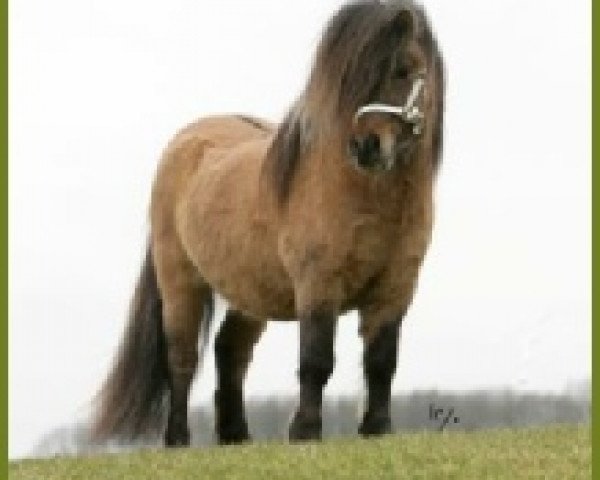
pixel 329 211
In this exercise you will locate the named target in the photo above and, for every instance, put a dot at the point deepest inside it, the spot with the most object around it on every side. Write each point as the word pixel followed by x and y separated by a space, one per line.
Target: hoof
pixel 304 429
pixel 233 433
pixel 373 426
pixel 177 437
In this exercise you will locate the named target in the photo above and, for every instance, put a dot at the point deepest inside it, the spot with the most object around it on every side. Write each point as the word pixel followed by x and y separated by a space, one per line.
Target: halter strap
pixel 409 112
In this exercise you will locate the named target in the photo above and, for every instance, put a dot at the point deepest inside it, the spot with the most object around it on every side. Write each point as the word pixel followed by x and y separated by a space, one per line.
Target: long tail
pixel 134 398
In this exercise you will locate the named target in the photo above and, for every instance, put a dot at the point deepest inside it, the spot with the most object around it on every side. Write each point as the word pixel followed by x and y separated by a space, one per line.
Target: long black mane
pixel 352 60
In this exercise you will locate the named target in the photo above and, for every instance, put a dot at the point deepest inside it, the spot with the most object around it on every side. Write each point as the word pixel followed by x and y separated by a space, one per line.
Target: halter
pixel 409 112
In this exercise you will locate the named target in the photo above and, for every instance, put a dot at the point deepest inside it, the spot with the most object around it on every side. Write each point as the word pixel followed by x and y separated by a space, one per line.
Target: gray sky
pixel 98 87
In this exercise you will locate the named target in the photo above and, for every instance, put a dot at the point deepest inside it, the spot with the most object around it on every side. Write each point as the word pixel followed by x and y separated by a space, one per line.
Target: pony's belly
pixel 256 288
pixel 239 260
pixel 230 238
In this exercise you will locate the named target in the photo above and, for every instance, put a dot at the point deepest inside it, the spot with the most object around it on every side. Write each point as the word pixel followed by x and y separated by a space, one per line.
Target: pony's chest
pixel 349 248
pixel 343 256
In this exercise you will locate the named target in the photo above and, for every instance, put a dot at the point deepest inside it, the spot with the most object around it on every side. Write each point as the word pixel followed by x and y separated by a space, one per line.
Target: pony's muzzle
pixel 374 151
pixel 366 151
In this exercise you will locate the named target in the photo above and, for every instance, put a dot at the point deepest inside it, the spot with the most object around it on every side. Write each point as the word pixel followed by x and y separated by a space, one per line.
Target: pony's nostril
pixel 366 150
pixel 371 144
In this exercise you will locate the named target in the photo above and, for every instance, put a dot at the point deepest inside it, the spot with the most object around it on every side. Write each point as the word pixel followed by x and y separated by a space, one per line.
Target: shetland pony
pixel 327 212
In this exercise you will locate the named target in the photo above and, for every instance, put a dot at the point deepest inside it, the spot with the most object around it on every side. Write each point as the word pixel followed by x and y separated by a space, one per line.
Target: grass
pixel 561 452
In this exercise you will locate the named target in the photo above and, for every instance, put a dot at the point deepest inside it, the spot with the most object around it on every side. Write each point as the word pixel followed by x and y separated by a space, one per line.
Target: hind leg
pixel 184 297
pixel 233 352
pixel 182 321
pixel 379 362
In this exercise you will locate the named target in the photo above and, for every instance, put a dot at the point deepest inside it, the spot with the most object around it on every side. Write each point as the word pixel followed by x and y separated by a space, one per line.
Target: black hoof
pixel 177 437
pixel 233 433
pixel 305 429
pixel 373 426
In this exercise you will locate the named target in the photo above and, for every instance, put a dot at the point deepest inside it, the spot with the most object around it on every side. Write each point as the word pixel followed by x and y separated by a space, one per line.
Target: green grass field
pixel 561 452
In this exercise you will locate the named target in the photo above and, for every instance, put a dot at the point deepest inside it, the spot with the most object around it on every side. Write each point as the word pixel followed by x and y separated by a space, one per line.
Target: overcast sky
pixel 98 87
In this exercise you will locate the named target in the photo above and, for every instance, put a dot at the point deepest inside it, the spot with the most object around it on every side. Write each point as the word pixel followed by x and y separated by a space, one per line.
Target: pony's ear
pixel 403 23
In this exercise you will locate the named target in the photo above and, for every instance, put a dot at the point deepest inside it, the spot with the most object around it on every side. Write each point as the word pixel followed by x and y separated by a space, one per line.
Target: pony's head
pixel 386 130
pixel 375 68
pixel 375 91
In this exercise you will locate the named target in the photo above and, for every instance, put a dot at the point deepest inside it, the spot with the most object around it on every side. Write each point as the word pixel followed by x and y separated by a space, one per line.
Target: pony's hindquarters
pixel 134 399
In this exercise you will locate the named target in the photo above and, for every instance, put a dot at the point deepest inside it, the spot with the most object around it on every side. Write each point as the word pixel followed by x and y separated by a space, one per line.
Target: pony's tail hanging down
pixel 134 398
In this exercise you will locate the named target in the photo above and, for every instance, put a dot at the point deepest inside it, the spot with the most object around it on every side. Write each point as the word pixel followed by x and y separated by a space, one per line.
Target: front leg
pixel 316 365
pixel 379 361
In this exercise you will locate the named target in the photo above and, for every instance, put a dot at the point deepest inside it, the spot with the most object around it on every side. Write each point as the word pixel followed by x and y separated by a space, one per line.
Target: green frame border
pixel 595 12
pixel 4 262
